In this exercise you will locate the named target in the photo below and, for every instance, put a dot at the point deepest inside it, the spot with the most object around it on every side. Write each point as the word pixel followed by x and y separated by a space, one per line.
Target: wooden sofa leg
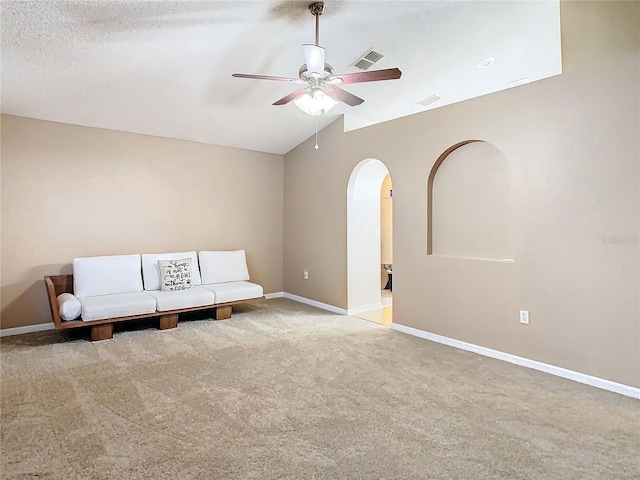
pixel 223 313
pixel 103 331
pixel 168 321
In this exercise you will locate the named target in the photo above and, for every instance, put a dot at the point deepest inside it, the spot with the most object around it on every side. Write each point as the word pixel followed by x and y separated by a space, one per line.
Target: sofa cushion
pixel 113 306
pixel 109 275
pixel 69 306
pixel 175 274
pixel 193 297
pixel 234 291
pixel 151 271
pixel 223 266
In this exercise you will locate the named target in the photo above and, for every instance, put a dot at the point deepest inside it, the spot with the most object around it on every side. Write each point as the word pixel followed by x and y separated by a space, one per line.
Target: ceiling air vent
pixel 367 60
pixel 520 81
pixel 429 100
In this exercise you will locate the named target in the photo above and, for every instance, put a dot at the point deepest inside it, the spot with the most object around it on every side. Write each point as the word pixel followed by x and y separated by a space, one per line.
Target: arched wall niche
pixel 470 203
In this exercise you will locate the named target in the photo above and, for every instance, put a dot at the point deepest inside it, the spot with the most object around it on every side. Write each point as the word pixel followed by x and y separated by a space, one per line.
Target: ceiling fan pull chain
pixel 316 147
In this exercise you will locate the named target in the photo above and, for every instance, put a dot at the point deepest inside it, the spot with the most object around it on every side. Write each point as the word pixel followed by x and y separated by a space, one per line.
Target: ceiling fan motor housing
pixel 305 76
pixel 317 8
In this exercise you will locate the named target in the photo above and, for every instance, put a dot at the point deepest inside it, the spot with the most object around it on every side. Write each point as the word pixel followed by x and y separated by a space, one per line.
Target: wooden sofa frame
pixel 103 329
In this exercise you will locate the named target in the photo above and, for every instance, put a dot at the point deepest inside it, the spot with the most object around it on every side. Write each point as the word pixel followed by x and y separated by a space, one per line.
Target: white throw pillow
pixel 69 306
pixel 175 274
pixel 151 272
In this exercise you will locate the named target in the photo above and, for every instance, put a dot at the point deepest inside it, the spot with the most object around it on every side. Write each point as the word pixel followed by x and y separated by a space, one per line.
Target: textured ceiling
pixel 164 67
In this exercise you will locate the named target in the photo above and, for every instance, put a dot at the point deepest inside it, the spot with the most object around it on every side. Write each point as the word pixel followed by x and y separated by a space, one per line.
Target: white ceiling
pixel 164 67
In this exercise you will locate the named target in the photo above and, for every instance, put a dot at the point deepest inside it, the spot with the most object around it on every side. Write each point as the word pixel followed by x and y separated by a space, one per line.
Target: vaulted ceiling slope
pixel 164 68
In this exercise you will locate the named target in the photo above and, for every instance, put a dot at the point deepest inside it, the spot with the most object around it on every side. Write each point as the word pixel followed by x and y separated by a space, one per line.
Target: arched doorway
pixel 364 236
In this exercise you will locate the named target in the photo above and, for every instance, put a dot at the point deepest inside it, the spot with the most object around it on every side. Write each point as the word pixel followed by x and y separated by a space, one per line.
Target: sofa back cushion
pixel 107 275
pixel 151 270
pixel 223 266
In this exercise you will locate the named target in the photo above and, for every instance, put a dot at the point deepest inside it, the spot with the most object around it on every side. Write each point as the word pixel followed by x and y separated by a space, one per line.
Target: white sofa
pixel 108 289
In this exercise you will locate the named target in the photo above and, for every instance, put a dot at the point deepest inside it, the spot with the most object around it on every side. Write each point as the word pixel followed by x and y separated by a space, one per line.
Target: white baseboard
pixel 365 308
pixel 313 303
pixel 7 332
pixel 269 296
pixel 524 362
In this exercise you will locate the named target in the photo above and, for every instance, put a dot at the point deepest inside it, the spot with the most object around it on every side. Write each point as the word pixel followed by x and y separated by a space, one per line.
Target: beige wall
pixel 573 144
pixel 70 191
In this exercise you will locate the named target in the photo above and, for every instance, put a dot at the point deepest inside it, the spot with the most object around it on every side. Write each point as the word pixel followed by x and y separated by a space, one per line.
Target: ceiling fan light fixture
pixel 315 103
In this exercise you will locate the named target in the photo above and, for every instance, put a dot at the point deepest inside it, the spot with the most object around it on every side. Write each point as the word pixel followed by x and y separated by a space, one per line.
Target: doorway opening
pixel 369 242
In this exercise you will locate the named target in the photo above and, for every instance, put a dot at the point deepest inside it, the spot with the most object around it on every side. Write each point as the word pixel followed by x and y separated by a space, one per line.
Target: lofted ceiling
pixel 164 67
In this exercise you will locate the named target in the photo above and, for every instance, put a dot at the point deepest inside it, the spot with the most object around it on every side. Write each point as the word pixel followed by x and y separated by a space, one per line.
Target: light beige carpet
pixel 283 390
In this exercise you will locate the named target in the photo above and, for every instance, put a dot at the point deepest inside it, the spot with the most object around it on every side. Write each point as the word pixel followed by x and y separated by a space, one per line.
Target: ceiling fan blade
pixel 344 96
pixel 292 96
pixel 266 77
pixel 314 58
pixel 373 76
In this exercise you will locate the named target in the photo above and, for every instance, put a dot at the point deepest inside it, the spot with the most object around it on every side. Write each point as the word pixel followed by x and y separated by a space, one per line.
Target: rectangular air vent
pixel 367 60
pixel 373 56
pixel 429 100
pixel 362 64
pixel 520 81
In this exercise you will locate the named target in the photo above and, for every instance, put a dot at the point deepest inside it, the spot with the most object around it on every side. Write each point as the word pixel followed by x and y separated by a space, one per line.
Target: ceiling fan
pixel 322 91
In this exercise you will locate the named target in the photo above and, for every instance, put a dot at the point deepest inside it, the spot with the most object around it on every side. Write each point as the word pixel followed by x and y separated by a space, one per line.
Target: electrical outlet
pixel 524 317
pixel 305 275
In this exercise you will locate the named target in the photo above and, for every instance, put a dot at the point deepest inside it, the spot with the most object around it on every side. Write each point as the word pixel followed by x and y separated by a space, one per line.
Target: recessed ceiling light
pixel 485 62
